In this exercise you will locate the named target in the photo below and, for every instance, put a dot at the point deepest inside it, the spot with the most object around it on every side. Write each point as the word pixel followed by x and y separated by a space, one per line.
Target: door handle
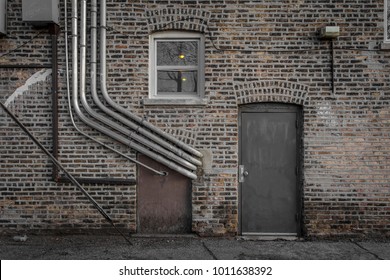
pixel 242 173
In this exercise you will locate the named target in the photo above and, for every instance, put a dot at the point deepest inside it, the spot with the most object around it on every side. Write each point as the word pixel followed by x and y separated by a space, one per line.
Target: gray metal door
pixel 269 170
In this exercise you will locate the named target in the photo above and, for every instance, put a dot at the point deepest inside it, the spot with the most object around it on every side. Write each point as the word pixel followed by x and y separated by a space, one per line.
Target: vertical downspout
pixel 83 50
pixel 54 30
pixel 74 56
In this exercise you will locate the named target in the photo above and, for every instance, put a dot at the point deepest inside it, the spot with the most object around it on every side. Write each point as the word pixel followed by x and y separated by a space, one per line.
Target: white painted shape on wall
pixel 39 76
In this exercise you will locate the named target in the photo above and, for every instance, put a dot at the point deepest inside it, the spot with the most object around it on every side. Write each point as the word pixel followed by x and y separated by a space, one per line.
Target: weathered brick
pixel 256 51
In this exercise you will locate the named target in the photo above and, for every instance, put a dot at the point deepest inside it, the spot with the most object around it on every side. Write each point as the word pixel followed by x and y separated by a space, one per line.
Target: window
pixel 176 66
pixel 386 21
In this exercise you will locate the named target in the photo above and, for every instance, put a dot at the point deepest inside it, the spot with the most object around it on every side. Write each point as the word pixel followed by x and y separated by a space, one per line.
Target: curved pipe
pixel 94 114
pixel 117 116
pixel 161 173
pixel 103 84
pixel 93 124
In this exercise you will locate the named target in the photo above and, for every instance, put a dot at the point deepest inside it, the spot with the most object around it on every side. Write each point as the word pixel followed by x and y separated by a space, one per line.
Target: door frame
pixel 271 107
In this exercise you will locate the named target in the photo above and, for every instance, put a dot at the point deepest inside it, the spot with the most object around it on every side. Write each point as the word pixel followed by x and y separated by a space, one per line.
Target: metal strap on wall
pixel 59 165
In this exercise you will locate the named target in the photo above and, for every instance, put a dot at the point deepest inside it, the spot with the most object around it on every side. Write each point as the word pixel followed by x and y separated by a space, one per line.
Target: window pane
pixel 177 81
pixel 177 53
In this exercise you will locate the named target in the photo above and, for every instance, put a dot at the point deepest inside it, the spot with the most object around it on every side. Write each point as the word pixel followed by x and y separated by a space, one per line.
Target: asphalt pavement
pixel 115 247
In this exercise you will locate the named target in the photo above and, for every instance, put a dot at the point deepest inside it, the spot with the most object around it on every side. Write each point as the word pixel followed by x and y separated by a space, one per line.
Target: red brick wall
pixel 346 132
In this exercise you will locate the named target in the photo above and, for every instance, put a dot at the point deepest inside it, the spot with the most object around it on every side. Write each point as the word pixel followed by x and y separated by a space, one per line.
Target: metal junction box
pixel 40 12
pixel 3 17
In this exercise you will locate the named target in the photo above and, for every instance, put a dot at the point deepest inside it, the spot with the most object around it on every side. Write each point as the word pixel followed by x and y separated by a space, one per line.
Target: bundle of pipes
pixel 145 138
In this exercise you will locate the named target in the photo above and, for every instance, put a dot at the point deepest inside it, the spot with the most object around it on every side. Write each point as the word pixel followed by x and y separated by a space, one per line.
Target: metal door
pixel 164 202
pixel 269 170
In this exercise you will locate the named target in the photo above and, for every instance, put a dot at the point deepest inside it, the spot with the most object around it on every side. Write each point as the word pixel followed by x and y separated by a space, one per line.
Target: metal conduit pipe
pixel 103 83
pixel 133 134
pixel 70 107
pixel 101 118
pixel 117 116
pixel 99 127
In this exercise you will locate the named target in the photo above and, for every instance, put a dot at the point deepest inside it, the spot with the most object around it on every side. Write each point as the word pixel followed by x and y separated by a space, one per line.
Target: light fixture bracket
pixel 329 32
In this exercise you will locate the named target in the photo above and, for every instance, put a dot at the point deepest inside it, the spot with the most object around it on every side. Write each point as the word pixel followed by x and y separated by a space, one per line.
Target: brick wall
pixel 30 199
pixel 256 51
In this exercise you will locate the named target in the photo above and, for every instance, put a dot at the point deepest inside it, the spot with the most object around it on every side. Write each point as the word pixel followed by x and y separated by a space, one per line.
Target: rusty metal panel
pixel 164 202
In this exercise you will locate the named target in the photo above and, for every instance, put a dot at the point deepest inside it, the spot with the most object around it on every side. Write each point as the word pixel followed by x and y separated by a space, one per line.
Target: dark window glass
pixel 176 81
pixel 177 53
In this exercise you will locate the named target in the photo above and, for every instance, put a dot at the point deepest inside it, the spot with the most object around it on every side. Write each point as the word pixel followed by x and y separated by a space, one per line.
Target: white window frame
pixel 386 5
pixel 177 36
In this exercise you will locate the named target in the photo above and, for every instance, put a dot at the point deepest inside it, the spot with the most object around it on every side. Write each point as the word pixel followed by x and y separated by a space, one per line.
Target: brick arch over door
pixel 188 19
pixel 271 91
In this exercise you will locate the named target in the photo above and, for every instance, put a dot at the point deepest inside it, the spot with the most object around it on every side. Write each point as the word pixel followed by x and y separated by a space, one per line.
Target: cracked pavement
pixel 115 247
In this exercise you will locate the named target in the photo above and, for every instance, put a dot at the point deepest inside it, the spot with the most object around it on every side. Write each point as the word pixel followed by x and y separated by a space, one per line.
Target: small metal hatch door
pixel 164 203
pixel 269 169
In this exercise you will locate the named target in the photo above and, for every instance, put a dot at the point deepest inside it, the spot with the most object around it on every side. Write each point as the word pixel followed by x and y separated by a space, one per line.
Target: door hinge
pixel 296 170
pixel 297 217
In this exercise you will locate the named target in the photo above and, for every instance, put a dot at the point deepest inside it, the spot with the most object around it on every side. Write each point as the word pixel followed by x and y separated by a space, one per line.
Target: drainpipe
pixel 89 122
pixel 54 30
pixel 103 84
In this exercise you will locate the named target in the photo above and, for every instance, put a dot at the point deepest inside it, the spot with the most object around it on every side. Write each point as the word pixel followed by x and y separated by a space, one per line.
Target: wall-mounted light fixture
pixel 329 32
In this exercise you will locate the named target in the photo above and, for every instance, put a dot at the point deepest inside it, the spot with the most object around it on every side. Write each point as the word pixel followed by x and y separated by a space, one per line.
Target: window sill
pixel 194 102
pixel 385 46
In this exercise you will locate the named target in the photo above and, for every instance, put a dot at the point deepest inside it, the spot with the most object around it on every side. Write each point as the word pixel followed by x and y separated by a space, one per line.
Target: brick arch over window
pixel 271 91
pixel 189 19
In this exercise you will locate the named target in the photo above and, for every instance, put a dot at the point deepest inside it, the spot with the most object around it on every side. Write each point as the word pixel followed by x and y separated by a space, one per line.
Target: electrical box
pixel 330 32
pixel 3 17
pixel 40 12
